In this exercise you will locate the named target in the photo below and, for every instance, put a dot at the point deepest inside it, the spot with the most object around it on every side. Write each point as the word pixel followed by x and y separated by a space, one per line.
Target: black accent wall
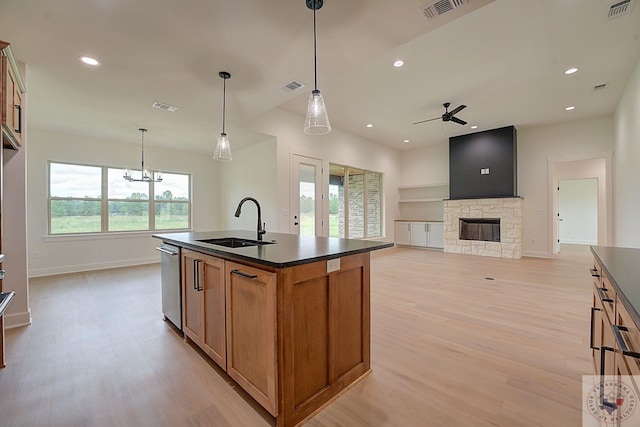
pixel 494 150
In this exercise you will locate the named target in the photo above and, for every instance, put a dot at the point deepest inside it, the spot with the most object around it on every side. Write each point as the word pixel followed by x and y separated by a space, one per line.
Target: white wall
pixel 626 196
pixel 251 173
pixel 335 147
pixel 59 254
pixel 429 165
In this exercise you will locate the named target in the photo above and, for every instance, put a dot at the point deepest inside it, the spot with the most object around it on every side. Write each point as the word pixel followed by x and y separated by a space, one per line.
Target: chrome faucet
pixel 261 225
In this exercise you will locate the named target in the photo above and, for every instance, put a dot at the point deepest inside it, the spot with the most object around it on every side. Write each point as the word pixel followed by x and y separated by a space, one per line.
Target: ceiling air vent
pixel 440 7
pixel 166 107
pixel 294 85
pixel 600 86
pixel 619 8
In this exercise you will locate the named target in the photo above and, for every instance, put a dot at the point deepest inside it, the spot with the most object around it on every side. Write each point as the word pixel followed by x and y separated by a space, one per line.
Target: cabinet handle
pixel 593 321
pixel 603 297
pixel 19 108
pixel 594 272
pixel 603 402
pixel 196 275
pixel 623 345
pixel 247 275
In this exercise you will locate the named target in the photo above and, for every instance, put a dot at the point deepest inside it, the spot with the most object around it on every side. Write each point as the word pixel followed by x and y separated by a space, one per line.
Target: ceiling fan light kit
pixel 448 116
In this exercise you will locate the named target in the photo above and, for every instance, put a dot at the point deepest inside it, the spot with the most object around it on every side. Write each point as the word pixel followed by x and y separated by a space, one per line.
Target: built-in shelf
pixel 422 201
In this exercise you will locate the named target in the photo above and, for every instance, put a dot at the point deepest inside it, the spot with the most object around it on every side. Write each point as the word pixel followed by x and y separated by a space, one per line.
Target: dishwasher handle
pixel 165 251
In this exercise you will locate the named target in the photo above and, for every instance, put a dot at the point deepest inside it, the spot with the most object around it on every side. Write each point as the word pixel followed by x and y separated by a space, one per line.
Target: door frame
pixel 605 194
pixel 295 159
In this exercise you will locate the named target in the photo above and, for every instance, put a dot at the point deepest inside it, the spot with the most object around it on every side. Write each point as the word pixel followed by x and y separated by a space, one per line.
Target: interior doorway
pixel 578 211
pixel 581 205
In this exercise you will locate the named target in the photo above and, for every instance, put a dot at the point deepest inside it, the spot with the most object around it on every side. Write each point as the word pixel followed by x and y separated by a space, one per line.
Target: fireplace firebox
pixel 482 229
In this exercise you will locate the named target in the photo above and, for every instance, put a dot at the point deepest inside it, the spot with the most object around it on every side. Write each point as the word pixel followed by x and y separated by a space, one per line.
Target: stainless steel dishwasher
pixel 171 289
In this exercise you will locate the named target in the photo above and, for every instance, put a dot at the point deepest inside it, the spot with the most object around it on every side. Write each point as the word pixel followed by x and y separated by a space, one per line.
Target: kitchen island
pixel 287 319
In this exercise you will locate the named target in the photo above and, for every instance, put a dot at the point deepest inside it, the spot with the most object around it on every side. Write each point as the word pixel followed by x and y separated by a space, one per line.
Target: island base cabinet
pixel 324 325
pixel 203 290
pixel 251 332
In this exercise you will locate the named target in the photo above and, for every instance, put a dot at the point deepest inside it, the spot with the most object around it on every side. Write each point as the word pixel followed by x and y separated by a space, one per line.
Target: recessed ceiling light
pixel 474 127
pixel 571 70
pixel 570 108
pixel 398 63
pixel 369 125
pixel 90 61
pixel 406 140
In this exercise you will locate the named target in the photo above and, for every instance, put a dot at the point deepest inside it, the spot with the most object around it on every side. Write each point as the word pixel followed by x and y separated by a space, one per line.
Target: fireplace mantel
pixel 508 210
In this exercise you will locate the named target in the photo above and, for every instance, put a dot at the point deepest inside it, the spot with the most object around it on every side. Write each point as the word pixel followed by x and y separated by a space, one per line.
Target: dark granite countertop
pixel 289 249
pixel 622 266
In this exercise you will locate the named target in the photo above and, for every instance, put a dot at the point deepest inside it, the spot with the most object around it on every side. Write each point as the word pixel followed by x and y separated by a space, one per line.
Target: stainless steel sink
pixel 235 242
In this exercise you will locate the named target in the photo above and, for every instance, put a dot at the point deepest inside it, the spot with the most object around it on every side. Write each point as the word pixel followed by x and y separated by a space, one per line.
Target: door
pixel 577 214
pixel 403 233
pixel 251 332
pixel 436 235
pixel 419 234
pixel 306 196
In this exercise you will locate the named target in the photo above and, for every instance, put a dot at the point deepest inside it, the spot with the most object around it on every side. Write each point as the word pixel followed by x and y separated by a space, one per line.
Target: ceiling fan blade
pixel 428 120
pixel 457 120
pixel 457 109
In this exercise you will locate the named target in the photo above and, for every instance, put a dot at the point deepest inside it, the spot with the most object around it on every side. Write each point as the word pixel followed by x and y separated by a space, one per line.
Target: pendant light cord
pixel 224 101
pixel 142 131
pixel 315 59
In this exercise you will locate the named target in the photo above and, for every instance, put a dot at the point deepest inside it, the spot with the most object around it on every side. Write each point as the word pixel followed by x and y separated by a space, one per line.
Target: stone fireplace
pixel 487 227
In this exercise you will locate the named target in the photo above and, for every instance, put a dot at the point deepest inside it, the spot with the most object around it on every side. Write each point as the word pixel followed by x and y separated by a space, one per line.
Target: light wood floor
pixel 448 347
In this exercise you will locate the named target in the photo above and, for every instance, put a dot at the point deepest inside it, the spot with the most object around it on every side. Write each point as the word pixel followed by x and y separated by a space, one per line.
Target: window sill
pixel 108 236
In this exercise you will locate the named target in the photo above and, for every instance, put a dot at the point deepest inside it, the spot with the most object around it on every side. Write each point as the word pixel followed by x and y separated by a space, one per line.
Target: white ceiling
pixel 504 59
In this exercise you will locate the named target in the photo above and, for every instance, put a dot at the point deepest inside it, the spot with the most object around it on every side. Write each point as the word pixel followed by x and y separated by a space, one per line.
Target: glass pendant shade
pixel 317 121
pixel 223 149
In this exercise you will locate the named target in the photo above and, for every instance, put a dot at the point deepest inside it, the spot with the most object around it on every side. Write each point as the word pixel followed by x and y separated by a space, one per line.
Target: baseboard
pixel 535 254
pixel 65 269
pixel 16 320
pixel 578 242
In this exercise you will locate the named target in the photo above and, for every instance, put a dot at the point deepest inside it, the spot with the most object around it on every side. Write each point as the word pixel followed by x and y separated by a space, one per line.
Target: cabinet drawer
pixel 596 271
pixel 605 300
pixel 628 338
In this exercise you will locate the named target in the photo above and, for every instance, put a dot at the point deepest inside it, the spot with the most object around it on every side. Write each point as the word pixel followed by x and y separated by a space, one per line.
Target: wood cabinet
pixel 251 332
pixel 11 96
pixel 293 338
pixel 204 314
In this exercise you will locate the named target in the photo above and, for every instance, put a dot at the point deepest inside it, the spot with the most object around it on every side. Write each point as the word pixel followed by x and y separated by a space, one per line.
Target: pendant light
pixel 223 149
pixel 146 174
pixel 317 121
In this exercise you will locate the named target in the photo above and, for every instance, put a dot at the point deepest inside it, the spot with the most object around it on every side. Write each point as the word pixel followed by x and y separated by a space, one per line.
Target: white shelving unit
pixel 421 208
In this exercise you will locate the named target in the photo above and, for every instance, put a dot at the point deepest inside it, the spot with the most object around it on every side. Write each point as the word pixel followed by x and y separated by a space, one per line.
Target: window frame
pixel 105 200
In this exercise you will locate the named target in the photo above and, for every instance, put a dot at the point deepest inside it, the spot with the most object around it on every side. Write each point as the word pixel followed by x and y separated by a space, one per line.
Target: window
pixel 96 199
pixel 355 203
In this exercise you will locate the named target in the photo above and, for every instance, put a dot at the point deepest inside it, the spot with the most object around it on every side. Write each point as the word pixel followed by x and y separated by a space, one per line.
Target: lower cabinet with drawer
pixel 614 339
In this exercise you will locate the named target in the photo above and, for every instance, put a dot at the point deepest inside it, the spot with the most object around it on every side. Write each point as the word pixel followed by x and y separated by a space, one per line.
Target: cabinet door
pixel 212 280
pixel 192 297
pixel 419 234
pixel 11 106
pixel 251 332
pixel 436 235
pixel 204 304
pixel 403 233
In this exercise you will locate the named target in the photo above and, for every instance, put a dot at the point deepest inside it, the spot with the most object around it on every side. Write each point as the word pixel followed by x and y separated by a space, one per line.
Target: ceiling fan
pixel 448 116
